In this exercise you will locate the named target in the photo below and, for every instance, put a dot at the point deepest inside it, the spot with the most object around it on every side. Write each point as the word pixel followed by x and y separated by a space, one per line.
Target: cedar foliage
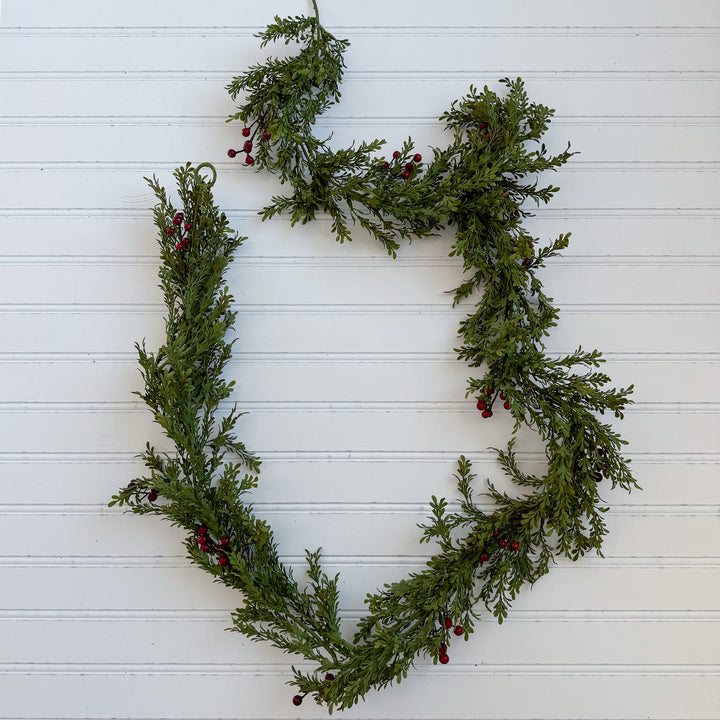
pixel 485 553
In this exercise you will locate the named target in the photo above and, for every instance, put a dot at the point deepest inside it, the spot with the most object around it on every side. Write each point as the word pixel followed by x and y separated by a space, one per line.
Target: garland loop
pixel 477 184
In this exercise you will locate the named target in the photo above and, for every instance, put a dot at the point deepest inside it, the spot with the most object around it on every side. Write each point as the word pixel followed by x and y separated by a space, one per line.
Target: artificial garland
pixel 477 184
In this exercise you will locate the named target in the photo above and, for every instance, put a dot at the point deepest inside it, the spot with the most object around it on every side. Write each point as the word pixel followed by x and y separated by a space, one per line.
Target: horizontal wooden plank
pixel 313 380
pixel 421 52
pixel 108 140
pixel 78 482
pixel 584 186
pixel 193 641
pixel 342 534
pixel 387 284
pixel 339 430
pixel 662 695
pixel 416 330
pixel 63 233
pixel 675 586
pixel 512 13
pixel 402 97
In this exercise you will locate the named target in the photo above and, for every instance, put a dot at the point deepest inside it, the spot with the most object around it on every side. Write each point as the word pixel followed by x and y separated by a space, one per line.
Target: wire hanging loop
pixel 200 179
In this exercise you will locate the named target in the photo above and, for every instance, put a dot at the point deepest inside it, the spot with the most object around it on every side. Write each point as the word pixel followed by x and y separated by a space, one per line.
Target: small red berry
pixel 484 557
pixel 246 131
pixel 487 413
pixel 385 165
pixel 396 154
pixel 406 174
pixel 495 533
pixel 297 700
pixel 487 135
pixel 232 153
pixel 265 135
pixel 409 166
pixel 448 623
pixel 247 147
pixel 444 658
pixel 205 548
pixel 222 560
pixel 177 220
pixel 488 391
pixel 185 242
pixel 203 540
pixel 153 495
pixel 417 157
pixel 201 530
pixel 458 630
pixel 514 546
pixel 442 648
pixel 502 395
pixel 178 246
pixel 506 404
pixel 329 677
pixel 224 541
pixel 249 160
pixel 502 543
pixel 171 231
pixel 481 405
pixel 483 125
pixel 187 226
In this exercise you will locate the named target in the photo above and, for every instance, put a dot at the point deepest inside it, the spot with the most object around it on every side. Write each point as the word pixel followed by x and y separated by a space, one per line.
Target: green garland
pixel 478 184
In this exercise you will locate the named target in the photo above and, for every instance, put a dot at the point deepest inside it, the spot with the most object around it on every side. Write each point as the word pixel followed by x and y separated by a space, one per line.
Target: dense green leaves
pixel 492 543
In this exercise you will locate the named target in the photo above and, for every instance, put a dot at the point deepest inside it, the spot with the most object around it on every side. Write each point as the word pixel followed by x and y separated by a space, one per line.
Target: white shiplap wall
pixel 344 358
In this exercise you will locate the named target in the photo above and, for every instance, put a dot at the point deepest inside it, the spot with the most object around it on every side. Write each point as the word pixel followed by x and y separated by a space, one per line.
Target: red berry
pixel 178 246
pixel 246 131
pixel 386 165
pixel 222 560
pixel 203 540
pixel 409 166
pixel 488 391
pixel 329 677
pixel 406 174
pixel 297 700
pixel 249 160
pixel 187 226
pixel 153 495
pixel 487 135
pixel 514 546
pixel 417 157
pixel 506 404
pixel 484 557
pixel 185 242
pixel 177 220
pixel 171 231
pixel 265 135
pixel 458 630
pixel 487 413
pixel 448 623
pixel 502 395
pixel 483 125
pixel 481 405
pixel 247 147
pixel 205 548
pixel 444 658
pixel 224 541
pixel 201 530
pixel 502 543
pixel 232 153
pixel 396 154
pixel 495 533
pixel 442 648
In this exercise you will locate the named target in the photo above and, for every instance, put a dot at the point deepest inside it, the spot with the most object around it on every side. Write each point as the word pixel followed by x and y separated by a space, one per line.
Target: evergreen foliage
pixel 479 185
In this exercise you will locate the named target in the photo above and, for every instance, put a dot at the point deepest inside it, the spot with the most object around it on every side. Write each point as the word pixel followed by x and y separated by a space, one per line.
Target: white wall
pixel 344 359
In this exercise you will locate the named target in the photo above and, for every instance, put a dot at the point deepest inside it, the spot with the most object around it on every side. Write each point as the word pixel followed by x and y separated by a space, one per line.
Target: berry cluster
pixel 485 403
pixel 458 630
pixel 212 548
pixel 402 167
pixel 248 144
pixel 297 699
pixel 179 230
pixel 502 543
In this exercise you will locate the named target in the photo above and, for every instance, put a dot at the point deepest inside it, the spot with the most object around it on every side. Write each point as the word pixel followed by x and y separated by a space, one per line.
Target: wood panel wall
pixel 344 358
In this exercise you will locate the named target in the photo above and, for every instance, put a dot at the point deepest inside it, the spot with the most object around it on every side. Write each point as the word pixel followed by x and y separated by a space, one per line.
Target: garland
pixel 478 184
